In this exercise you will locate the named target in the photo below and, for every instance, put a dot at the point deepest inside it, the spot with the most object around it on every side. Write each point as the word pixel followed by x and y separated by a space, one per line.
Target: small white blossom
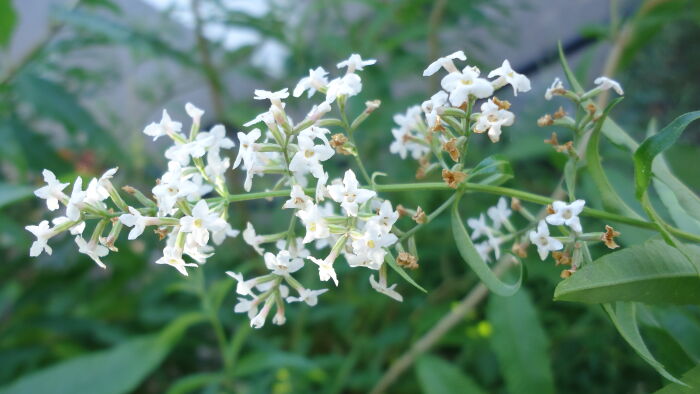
pixel 274 97
pixel 295 249
pixel 543 241
pixel 479 227
pixel 349 195
pixel 297 199
pixel 243 287
pixel 446 62
pixel 348 85
pixel 506 75
pixel 433 107
pixel 166 127
pixel 76 199
pixel 136 220
pixel 252 239
pixel 94 250
pixel 52 192
pixel 491 119
pixel 313 219
pixel 386 217
pixel 310 156
pixel 194 113
pixel 557 86
pixel 43 233
pixel 484 249
pixel 201 222
pixel 219 235
pixel 499 213
pixel 317 111
pixel 325 269
pixel 371 246
pixel 462 84
pixel 315 81
pixel 172 256
pixel 282 264
pixel 355 62
pixel 606 83
pixel 381 287
pixel 174 184
pixel 567 214
pixel 248 149
pixel 76 229
pixel 310 297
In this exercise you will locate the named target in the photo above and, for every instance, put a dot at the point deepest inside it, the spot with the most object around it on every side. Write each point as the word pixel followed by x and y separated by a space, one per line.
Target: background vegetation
pixel 57 311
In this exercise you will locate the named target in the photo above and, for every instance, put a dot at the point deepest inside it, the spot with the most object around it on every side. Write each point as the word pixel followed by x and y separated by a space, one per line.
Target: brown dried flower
pixel 451 148
pixel 420 216
pixel 407 260
pixel 608 237
pixel 453 178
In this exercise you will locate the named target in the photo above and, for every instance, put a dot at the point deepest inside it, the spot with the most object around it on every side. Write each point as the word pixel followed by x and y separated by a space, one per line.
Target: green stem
pixel 429 218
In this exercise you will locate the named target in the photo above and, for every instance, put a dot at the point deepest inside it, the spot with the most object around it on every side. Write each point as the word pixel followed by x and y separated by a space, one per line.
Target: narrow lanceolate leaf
pixel 521 344
pixel 652 146
pixel 624 317
pixel 389 258
pixel 493 170
pixel 691 383
pixel 471 256
pixel 117 370
pixel 8 21
pixel 611 200
pixel 437 376
pixel 680 216
pixel 13 193
pixel 653 272
pixel 567 71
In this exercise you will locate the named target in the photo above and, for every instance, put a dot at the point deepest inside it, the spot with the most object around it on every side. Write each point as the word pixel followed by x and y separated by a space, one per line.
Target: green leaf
pixel 493 170
pixel 690 384
pixel 117 370
pixel 437 376
pixel 12 193
pixel 624 317
pixel 652 146
pixel 567 71
pixel 610 199
pixel 521 344
pixel 8 21
pixel 389 258
pixel 262 361
pixel 471 256
pixel 653 272
pixel 192 382
pixel 680 216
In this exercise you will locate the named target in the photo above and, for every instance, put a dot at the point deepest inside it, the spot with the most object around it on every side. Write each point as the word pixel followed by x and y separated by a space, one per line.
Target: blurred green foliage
pixel 56 312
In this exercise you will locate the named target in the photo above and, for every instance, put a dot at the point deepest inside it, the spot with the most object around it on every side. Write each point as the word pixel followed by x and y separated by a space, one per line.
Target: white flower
pixel 315 81
pixel 348 85
pixel 506 75
pixel 274 97
pixel 198 252
pixel 349 195
pixel 98 189
pixel 310 297
pixel 606 83
pixel 248 149
pixel 371 245
pixel 310 156
pixel 499 213
pixel 381 287
pixel 297 199
pixel 245 305
pixel 491 119
pixel 76 199
pixel 462 84
pixel 174 184
pixel 137 221
pixel 557 86
pixel 52 192
pixel 543 241
pixel 165 127
pixel 43 233
pixel 259 320
pixel 567 214
pixel 181 153
pixel 265 117
pixel 321 190
pixel 355 62
pixel 313 219
pixel 445 62
pixel 433 107
pixel 194 113
pixel 386 217
pixel 172 256
pixel 404 143
pixel 243 287
pixel 219 235
pixel 282 264
pixel 252 239
pixel 325 269
pixel 484 249
pixel 317 111
pixel 295 249
pixel 201 222
pixel 92 249
pixel 479 227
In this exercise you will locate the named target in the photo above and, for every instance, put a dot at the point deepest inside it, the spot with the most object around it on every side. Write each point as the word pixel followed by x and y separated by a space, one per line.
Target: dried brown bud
pixel 338 142
pixel 451 148
pixel 520 249
pixel 453 178
pixel 567 273
pixel 502 104
pixel 423 167
pixel 545 120
pixel 550 209
pixel 401 210
pixel 591 108
pixel 515 204
pixel 560 113
pixel 420 216
pixel 129 189
pixel 162 232
pixel 407 260
pixel 553 140
pixel 561 258
pixel 608 237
